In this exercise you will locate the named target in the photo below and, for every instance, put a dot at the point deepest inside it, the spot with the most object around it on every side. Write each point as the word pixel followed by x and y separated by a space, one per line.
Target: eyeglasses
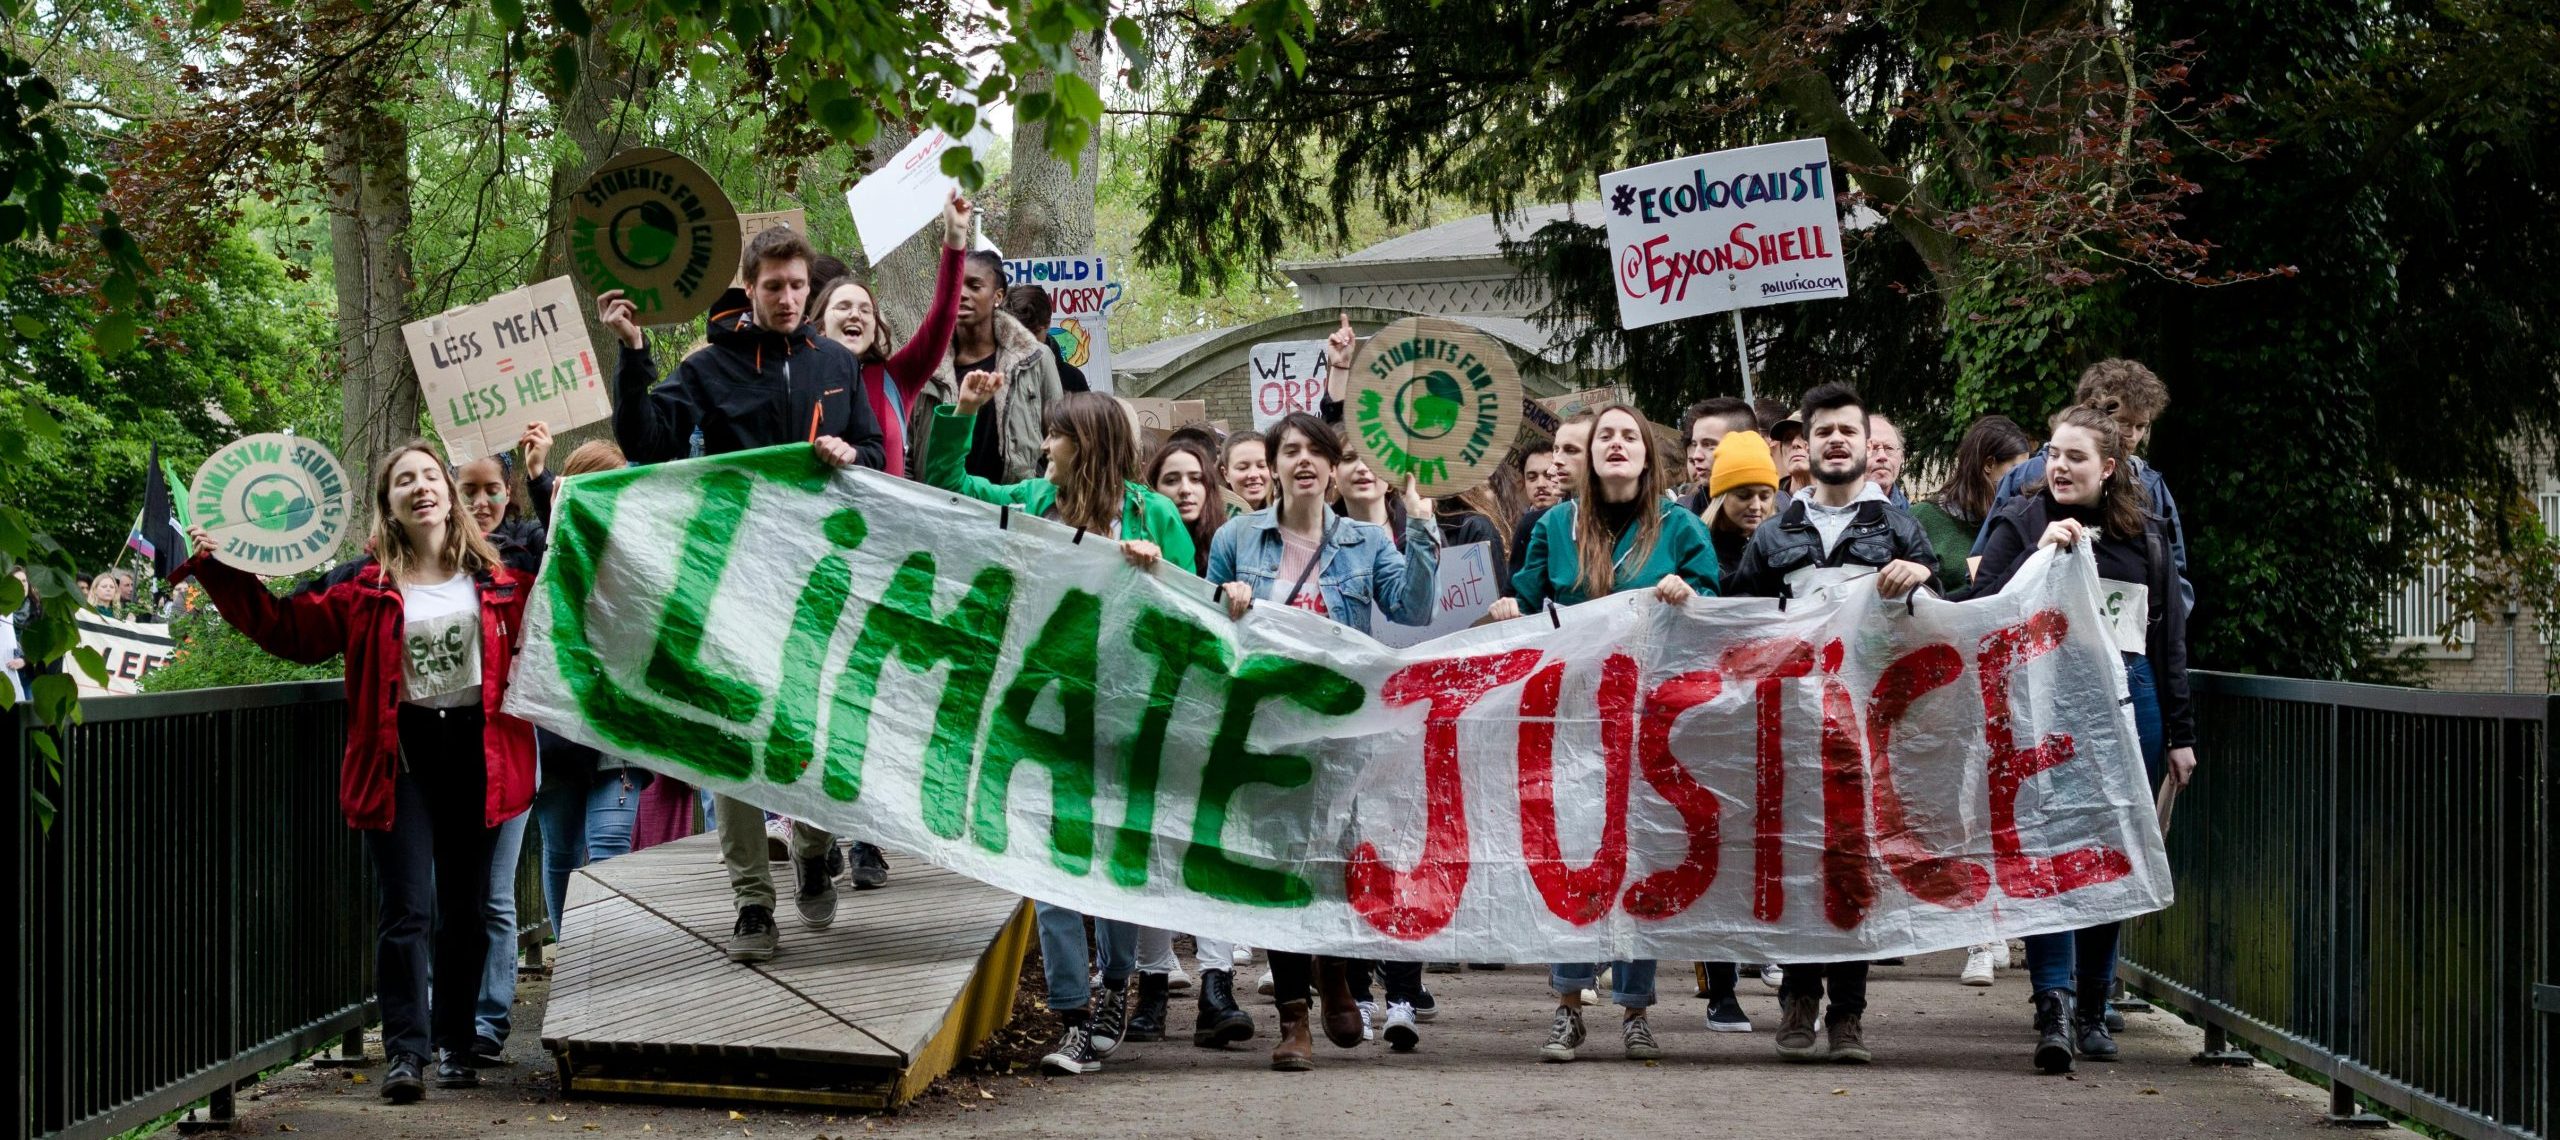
pixel 1884 449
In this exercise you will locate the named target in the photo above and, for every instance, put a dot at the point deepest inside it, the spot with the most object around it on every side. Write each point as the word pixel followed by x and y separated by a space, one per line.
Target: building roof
pixel 1467 239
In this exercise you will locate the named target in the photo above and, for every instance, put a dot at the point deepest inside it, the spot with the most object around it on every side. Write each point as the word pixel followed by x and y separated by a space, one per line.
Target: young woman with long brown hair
pixel 1093 452
pixel 429 631
pixel 2090 493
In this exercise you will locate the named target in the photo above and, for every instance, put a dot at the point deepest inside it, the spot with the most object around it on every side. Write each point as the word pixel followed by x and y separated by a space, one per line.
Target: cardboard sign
pixel 132 649
pixel 654 225
pixel 1081 294
pixel 1287 376
pixel 1157 418
pixel 1434 399
pixel 1571 404
pixel 1736 229
pixel 1467 587
pixel 276 504
pixel 489 369
pixel 749 225
pixel 890 204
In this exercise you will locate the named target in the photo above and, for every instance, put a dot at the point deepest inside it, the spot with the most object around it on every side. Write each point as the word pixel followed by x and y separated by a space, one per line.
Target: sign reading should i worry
pixel 1735 229
pixel 654 225
pixel 1433 399
pixel 1081 294
pixel 489 369
pixel 275 503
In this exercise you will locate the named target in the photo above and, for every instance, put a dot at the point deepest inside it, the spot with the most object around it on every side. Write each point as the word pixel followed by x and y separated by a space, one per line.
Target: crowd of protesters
pixel 1774 500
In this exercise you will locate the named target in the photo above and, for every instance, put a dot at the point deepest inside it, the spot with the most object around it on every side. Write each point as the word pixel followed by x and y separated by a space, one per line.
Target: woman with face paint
pixel 1619 532
pixel 2090 495
pixel 429 629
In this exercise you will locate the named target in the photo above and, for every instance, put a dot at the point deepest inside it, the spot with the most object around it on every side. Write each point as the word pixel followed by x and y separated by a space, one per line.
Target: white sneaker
pixel 777 840
pixel 1242 954
pixel 1772 977
pixel 1590 995
pixel 1177 980
pixel 1401 1034
pixel 1977 965
pixel 1368 1021
pixel 1264 986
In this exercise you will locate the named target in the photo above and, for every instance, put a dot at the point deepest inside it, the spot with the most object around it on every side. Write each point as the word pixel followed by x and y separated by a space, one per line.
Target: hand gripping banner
pixel 1843 778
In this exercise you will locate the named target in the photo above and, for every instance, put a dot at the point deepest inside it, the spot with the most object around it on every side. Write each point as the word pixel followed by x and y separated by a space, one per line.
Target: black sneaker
pixel 1074 1054
pixel 485 1054
pixel 835 861
pixel 1425 1007
pixel 1726 1016
pixel 451 1073
pixel 870 868
pixel 1109 1023
pixel 402 1085
pixel 752 939
pixel 817 899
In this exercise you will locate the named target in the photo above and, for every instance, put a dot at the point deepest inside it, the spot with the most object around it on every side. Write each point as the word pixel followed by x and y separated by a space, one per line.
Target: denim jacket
pixel 1361 568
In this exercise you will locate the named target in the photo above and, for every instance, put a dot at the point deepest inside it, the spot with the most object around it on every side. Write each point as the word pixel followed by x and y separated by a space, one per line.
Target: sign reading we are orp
pixel 489 369
pixel 1731 230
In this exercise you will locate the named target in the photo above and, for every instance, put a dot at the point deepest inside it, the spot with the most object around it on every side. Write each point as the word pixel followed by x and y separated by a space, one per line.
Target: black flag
pixel 169 548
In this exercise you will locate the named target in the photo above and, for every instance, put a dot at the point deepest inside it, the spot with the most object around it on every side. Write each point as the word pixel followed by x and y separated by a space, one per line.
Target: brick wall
pixel 2484 669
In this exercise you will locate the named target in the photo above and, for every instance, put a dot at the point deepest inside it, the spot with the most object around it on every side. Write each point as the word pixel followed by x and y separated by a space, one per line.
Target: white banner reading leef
pixel 1731 230
pixel 131 649
pixel 1718 780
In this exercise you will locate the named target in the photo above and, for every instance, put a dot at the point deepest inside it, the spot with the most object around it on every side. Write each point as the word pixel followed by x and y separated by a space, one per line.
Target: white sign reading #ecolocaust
pixel 1735 229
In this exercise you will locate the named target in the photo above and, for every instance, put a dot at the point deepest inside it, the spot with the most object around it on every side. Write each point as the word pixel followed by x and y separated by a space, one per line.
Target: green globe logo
pixel 1428 405
pixel 645 234
pixel 276 503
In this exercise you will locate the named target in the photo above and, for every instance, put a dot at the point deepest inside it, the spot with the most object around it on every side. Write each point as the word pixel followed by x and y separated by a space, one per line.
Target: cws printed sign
pixel 275 503
pixel 1731 230
pixel 1844 779
pixel 1436 400
pixel 489 369
pixel 1081 294
pixel 654 225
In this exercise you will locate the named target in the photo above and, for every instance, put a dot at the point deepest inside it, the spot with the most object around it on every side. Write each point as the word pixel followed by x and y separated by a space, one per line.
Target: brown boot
pixel 1296 1052
pixel 1342 1021
pixel 1849 1040
pixel 1798 1025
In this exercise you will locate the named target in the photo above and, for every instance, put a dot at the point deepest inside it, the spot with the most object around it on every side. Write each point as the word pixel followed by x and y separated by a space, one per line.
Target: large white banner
pixel 1841 778
pixel 1730 230
pixel 131 649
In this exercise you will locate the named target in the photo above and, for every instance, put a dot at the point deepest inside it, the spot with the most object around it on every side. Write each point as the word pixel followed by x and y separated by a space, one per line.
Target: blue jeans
pixel 2083 962
pixel 494 1015
pixel 584 821
pixel 1630 983
pixel 1063 954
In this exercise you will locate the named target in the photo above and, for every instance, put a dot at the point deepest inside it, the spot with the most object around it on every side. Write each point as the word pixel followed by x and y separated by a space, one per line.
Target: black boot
pixel 1220 1023
pixel 2096 1043
pixel 1147 1023
pixel 2053 1031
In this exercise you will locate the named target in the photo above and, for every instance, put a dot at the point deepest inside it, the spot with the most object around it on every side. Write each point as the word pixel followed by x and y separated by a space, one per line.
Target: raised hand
pixel 958 217
pixel 536 446
pixel 202 538
pixel 977 389
pixel 1337 359
pixel 617 314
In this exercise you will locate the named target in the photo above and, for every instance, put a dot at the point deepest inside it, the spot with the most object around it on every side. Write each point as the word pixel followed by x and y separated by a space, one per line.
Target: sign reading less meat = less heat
pixel 654 225
pixel 1845 778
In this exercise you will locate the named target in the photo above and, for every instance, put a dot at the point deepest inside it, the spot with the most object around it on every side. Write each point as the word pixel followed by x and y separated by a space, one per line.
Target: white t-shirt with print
pixel 440 643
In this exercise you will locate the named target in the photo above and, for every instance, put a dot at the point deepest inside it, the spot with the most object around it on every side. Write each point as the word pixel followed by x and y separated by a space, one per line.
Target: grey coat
pixel 1030 387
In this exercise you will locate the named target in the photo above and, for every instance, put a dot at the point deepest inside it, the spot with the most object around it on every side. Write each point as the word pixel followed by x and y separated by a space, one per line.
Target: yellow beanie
pixel 1741 460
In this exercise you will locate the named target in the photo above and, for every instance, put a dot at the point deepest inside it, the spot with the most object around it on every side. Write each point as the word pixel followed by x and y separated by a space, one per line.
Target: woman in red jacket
pixel 429 631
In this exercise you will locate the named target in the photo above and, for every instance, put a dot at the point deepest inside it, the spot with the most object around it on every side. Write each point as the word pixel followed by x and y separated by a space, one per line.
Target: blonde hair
pixel 463 551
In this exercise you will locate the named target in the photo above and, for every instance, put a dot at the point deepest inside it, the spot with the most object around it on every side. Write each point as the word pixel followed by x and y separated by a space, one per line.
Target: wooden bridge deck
pixel 862 1014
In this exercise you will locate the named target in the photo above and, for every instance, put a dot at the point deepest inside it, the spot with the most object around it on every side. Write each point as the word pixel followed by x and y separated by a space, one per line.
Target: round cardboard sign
pixel 276 504
pixel 1434 399
pixel 654 225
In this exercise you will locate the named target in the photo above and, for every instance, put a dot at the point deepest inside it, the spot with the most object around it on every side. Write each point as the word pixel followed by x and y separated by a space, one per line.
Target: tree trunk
pixel 1049 204
pixel 366 148
pixel 587 117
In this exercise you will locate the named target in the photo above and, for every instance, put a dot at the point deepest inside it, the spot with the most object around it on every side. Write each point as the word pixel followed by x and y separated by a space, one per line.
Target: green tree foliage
pixel 2317 220
pixel 211 654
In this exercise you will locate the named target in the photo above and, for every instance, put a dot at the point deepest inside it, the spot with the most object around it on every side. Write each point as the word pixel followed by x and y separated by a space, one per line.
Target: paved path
pixel 1952 1061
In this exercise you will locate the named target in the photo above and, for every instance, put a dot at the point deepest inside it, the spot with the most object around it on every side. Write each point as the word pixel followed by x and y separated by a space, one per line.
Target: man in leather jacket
pixel 1841 522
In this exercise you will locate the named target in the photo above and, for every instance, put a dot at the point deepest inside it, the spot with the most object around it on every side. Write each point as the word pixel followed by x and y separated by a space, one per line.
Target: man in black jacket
pixel 1839 527
pixel 765 379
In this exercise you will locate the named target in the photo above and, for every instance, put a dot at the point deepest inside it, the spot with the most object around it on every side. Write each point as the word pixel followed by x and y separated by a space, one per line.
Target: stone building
pixel 1454 270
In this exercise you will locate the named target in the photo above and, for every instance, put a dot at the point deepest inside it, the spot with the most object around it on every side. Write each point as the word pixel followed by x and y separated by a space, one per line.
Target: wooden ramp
pixel 863 1014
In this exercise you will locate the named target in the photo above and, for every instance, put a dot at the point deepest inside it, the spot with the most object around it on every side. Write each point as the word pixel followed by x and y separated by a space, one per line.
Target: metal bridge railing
pixel 2366 887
